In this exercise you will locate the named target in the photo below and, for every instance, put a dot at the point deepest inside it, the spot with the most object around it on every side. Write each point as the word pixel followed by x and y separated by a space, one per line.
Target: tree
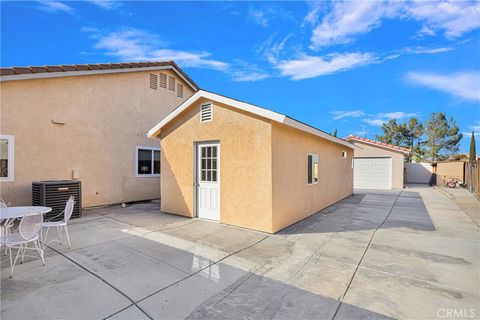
pixel 473 151
pixel 334 133
pixel 442 136
pixel 404 134
pixel 392 133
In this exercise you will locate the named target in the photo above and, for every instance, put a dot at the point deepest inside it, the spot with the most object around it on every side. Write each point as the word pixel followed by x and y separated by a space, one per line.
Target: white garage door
pixel 372 173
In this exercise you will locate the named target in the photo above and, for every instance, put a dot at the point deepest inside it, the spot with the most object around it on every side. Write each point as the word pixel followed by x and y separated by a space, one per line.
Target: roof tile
pixel 378 143
pixel 54 68
pixel 22 70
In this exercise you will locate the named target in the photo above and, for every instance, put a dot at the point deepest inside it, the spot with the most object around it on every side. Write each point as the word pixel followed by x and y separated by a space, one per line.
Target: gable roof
pixel 262 112
pixel 37 72
pixel 378 144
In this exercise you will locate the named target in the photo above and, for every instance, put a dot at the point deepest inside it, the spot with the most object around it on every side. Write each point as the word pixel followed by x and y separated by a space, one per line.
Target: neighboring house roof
pixel 378 144
pixel 265 113
pixel 36 72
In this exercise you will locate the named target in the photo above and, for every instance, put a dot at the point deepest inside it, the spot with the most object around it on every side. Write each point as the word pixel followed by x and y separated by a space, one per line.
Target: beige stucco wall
pixel 448 170
pixel 245 165
pixel 293 198
pixel 398 160
pixel 106 117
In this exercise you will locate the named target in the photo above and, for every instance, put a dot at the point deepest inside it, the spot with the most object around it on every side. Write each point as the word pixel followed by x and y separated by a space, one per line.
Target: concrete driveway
pixel 399 254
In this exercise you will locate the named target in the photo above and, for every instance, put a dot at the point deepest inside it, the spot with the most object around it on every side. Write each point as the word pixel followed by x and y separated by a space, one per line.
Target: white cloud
pixel 337 115
pixel 465 85
pixel 312 16
pixel 307 66
pixel 188 59
pixel 258 16
pixel 246 75
pixel 424 50
pixel 454 18
pixel 347 19
pixel 106 4
pixel 378 119
pixel 131 44
pixel 54 6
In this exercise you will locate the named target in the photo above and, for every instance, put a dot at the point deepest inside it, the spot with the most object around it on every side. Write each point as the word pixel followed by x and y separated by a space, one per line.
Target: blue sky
pixel 344 65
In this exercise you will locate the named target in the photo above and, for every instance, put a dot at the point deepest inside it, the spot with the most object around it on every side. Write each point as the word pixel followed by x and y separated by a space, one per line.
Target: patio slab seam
pixel 103 280
pixel 363 256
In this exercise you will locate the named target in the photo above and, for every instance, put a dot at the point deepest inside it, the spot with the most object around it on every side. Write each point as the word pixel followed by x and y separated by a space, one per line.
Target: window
pixel 344 154
pixel 206 112
pixel 147 162
pixel 153 81
pixel 163 80
pixel 208 166
pixel 6 158
pixel 171 83
pixel 312 164
pixel 179 90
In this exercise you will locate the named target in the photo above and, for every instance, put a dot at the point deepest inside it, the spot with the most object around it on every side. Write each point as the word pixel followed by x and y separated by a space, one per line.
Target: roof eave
pixel 406 152
pixel 265 113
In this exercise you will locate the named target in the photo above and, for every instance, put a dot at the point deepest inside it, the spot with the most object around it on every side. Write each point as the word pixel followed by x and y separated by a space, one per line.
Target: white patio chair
pixel 7 224
pixel 61 224
pixel 28 232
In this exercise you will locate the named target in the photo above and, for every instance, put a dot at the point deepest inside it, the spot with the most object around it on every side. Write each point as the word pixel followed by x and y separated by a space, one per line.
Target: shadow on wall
pixel 368 211
pixel 172 197
pixel 418 172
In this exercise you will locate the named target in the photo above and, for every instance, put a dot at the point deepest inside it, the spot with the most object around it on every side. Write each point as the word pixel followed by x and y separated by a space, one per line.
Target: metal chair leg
pixel 40 251
pixel 68 237
pixel 59 230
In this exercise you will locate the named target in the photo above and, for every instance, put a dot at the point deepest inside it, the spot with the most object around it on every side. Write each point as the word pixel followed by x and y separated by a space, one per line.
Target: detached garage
pixel 239 164
pixel 378 165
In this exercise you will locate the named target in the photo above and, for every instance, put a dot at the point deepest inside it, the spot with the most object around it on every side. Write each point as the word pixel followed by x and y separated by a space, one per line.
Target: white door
pixel 208 181
pixel 372 173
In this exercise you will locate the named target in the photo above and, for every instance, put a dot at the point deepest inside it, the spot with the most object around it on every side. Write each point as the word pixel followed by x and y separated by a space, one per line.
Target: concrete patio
pixel 401 254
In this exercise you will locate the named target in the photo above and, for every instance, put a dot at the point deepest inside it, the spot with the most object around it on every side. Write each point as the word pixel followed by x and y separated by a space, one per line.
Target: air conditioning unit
pixel 55 193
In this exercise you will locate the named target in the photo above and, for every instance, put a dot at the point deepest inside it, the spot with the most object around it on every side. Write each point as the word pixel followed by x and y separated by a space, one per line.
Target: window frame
pixel 344 154
pixel 152 149
pixel 318 161
pixel 11 157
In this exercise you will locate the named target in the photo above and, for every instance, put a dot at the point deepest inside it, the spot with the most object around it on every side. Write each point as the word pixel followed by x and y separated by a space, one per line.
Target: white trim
pixel 138 175
pixel 42 75
pixel 265 113
pixel 11 157
pixel 197 176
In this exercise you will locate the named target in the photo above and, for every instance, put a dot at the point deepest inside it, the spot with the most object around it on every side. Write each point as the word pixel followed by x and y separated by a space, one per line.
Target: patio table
pixel 20 212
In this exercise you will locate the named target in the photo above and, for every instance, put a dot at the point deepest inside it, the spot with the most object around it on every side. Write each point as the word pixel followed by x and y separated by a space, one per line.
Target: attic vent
pixel 179 90
pixel 171 83
pixel 153 81
pixel 163 80
pixel 206 112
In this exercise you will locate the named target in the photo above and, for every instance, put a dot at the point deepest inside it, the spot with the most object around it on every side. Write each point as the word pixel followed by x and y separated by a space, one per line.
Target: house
pixel 86 122
pixel 239 164
pixel 378 165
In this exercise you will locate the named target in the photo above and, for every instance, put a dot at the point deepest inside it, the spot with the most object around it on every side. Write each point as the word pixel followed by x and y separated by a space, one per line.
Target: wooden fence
pixel 472 177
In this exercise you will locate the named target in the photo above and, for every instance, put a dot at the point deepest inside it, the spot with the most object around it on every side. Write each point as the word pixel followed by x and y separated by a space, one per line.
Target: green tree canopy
pixel 435 140
pixel 442 137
